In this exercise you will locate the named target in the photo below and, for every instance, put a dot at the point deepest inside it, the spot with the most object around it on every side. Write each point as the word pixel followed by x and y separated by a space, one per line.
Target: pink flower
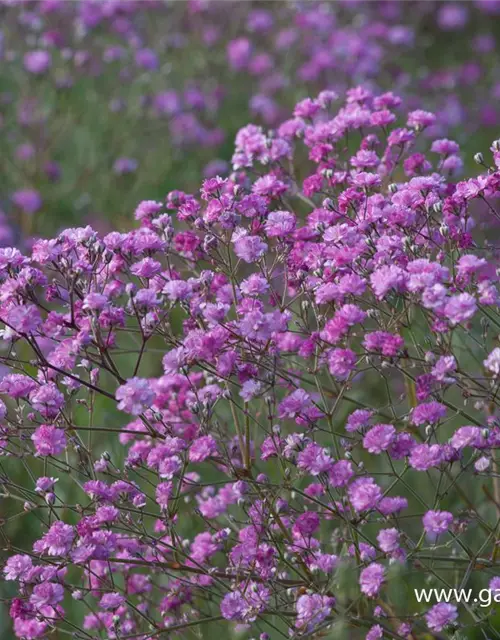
pixel 57 541
pixel 312 610
pixel 420 119
pixel 135 396
pixel 388 540
pixel 250 248
pixel 111 601
pixel 280 224
pixel 460 308
pixel 430 412
pixel 17 567
pixel 371 579
pixel 386 278
pixel 379 438
pixel 441 615
pixel 364 494
pixel 437 521
pixel 23 318
pixel 47 399
pixel 38 61
pixel 202 448
pixel 49 440
pixel 341 362
pixel 492 362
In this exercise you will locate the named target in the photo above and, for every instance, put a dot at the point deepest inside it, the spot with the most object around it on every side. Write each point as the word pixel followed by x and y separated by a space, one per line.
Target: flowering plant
pixel 327 401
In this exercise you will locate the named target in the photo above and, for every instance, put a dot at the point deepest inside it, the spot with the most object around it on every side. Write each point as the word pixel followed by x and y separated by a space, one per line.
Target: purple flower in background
pixel 25 152
pixel 124 165
pixel 239 52
pixel 147 59
pixel 167 102
pixel 28 200
pixel 52 170
pixel 453 16
pixel 38 61
pixel 111 601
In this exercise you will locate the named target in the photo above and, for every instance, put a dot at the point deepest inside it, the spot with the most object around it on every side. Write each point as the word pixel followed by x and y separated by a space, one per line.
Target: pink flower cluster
pixel 301 372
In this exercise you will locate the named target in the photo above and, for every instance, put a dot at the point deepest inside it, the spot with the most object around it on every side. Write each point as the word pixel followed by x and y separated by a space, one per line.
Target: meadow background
pixel 106 103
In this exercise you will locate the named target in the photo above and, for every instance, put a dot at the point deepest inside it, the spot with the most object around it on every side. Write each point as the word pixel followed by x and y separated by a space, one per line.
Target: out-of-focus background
pixel 106 103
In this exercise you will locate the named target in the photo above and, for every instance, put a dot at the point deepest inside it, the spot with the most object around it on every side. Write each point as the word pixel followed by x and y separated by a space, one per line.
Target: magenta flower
pixel 371 579
pixel 341 363
pixel 312 610
pixel 440 616
pixel 437 522
pixel 17 567
pixel 47 399
pixel 49 440
pixel 428 413
pixel 135 396
pixel 364 494
pixel 250 248
pixel 379 438
pixel 38 61
pixel 57 541
pixel 28 200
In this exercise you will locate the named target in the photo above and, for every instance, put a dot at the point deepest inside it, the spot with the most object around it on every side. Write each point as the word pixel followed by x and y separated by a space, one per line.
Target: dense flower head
pixel 437 521
pixel 371 579
pixel 281 367
pixel 441 615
